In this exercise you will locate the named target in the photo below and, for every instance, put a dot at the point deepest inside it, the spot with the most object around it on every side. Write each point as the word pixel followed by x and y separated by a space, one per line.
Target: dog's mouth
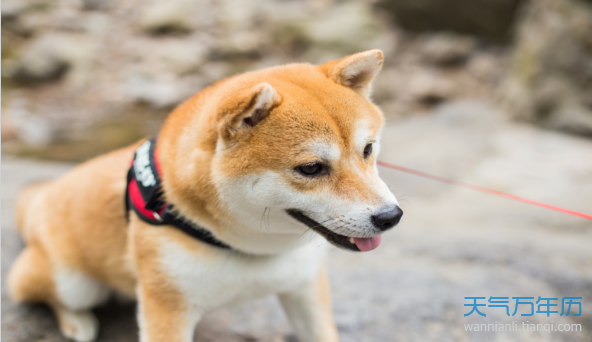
pixel 341 241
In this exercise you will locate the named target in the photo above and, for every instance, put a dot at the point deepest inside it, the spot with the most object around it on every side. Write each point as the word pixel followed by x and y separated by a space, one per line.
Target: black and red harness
pixel 144 194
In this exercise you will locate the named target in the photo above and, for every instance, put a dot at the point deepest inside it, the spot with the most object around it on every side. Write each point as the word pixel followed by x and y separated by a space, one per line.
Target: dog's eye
pixel 311 169
pixel 367 150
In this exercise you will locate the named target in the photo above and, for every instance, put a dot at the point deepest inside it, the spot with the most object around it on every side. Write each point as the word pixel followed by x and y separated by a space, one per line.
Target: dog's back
pixel 25 204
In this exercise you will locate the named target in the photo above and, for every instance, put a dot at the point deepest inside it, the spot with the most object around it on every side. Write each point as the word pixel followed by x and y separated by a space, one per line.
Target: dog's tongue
pixel 368 244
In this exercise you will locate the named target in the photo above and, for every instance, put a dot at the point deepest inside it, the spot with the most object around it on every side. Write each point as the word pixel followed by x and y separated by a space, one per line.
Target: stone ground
pixel 452 242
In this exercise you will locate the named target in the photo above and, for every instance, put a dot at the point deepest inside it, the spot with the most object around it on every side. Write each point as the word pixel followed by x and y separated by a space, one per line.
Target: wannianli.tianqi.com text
pixel 525 326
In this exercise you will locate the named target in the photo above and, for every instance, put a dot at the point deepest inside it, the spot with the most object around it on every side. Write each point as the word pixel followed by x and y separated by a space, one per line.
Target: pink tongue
pixel 368 244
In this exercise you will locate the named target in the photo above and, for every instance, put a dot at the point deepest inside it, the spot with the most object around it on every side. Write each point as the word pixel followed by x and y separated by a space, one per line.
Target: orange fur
pixel 78 220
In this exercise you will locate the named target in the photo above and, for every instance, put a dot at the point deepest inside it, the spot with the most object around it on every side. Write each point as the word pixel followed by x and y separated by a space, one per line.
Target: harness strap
pixel 144 195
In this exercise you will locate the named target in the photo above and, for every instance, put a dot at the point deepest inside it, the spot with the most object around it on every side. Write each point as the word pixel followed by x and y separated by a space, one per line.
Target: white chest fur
pixel 223 277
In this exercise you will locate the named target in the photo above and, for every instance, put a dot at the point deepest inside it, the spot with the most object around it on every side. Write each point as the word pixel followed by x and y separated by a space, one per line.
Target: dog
pixel 234 199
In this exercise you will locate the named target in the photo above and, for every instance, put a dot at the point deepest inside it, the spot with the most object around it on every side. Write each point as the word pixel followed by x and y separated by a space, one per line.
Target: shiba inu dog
pixel 235 199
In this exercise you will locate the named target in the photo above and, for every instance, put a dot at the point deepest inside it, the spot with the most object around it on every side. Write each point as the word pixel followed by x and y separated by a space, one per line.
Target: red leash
pixel 482 189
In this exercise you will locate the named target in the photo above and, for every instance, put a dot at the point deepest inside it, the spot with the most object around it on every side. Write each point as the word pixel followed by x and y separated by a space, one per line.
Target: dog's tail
pixel 25 203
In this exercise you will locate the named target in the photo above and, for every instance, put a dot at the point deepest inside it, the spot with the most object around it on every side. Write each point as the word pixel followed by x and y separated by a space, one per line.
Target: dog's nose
pixel 387 219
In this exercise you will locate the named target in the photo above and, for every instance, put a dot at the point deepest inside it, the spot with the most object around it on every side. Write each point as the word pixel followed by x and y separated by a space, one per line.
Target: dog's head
pixel 296 148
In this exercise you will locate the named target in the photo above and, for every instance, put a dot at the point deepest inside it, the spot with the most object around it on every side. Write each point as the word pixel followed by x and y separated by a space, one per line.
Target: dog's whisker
pixel 319 225
pixel 268 224
pixel 306 231
pixel 262 223
pixel 254 183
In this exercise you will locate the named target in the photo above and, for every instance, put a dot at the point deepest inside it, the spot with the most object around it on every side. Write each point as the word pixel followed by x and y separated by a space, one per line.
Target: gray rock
pixel 486 19
pixel 31 129
pixel 485 67
pixel 168 16
pixel 41 61
pixel 11 9
pixel 430 88
pixel 159 93
pixel 96 4
pixel 243 24
pixel 49 56
pixel 446 49
pixel 328 33
pixel 573 118
pixel 347 28
pixel 549 80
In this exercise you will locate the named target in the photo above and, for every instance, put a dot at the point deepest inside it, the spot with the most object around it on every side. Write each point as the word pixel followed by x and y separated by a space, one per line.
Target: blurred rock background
pixel 81 77
pixel 493 92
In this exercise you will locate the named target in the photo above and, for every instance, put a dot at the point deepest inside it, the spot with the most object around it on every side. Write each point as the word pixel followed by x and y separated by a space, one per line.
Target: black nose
pixel 387 219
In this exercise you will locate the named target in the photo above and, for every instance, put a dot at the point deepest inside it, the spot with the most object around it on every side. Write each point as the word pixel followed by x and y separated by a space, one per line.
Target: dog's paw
pixel 80 326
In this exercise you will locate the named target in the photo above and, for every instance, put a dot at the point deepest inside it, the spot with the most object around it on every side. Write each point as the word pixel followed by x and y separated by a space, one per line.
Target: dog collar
pixel 144 195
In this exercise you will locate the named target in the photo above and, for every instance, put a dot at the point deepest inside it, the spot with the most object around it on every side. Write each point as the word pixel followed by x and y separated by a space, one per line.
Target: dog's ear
pixel 355 71
pixel 245 109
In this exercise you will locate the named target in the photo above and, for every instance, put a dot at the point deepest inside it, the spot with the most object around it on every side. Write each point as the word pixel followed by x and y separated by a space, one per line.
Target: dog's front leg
pixel 309 310
pixel 163 317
